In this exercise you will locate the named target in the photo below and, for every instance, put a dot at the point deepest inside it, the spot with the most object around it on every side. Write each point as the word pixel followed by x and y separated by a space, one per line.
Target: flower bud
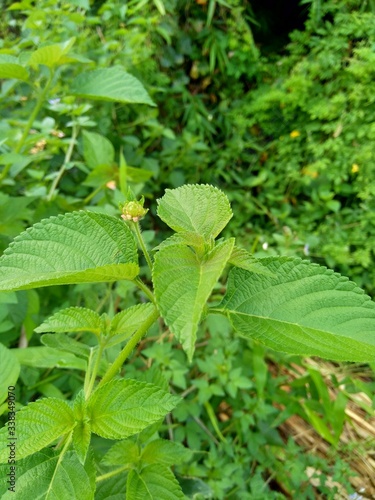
pixel 133 210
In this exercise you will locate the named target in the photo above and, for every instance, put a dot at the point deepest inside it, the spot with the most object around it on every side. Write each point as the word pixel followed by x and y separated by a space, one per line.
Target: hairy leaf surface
pixel 122 408
pixel 154 482
pixel 183 282
pixel 305 309
pixel 125 323
pixel 169 453
pixel 39 424
pixel 10 369
pixel 73 319
pixel 111 84
pixel 195 208
pixel 43 476
pixel 78 247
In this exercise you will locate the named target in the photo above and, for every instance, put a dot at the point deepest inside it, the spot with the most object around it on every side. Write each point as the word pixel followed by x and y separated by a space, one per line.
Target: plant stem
pixel 29 124
pixel 65 162
pixel 145 289
pixel 127 350
pixel 94 371
pixel 142 244
pixel 34 114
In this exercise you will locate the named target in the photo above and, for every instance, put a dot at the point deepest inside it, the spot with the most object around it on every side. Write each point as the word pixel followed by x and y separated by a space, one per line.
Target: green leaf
pixel 51 55
pixel 125 323
pixel 183 283
pixel 166 453
pixel 11 68
pixel 82 430
pixel 97 150
pixel 189 239
pixel 73 319
pixel 10 370
pixel 124 453
pixel 47 357
pixel 122 408
pixel 39 424
pixel 44 476
pixel 195 208
pixel 111 488
pixel 78 247
pixel 154 482
pixel 243 259
pixel 305 309
pixel 61 342
pixel 111 84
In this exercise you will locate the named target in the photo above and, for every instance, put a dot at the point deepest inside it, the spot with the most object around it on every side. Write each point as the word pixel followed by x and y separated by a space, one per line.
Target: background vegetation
pixel 274 105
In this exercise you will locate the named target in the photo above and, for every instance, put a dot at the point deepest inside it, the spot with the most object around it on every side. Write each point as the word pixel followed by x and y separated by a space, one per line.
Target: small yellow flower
pixel 355 168
pixel 294 134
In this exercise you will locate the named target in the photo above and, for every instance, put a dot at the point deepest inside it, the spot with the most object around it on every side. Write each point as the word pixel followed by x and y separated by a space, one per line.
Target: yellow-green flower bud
pixel 134 211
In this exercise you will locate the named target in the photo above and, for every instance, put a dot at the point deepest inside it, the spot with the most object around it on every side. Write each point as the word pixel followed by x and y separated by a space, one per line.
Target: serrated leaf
pixel 189 239
pixel 39 424
pixel 62 342
pixel 183 283
pixel 110 84
pixel 43 476
pixel 11 68
pixel 78 247
pixel 125 323
pixel 51 55
pixel 47 357
pixel 305 309
pixel 97 150
pixel 111 488
pixel 10 370
pixel 154 482
pixel 122 408
pixel 73 319
pixel 122 453
pixel 195 208
pixel 82 430
pixel 243 259
pixel 165 452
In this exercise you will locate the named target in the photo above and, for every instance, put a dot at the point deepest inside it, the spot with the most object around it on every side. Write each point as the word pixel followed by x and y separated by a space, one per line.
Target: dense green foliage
pixel 216 97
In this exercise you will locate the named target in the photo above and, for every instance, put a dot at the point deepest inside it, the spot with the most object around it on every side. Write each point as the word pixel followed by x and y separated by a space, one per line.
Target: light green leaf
pixel 183 283
pixel 47 357
pixel 110 84
pixel 122 408
pixel 78 247
pixel 138 175
pixel 189 239
pixel 39 424
pixel 97 150
pixel 243 259
pixel 166 452
pixel 111 488
pixel 125 323
pixel 73 319
pixel 154 482
pixel 195 208
pixel 62 342
pixel 122 453
pixel 43 476
pixel 10 370
pixel 51 55
pixel 11 68
pixel 305 309
pixel 82 430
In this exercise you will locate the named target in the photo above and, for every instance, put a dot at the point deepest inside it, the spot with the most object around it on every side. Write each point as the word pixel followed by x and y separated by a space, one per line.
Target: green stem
pixel 94 371
pixel 65 162
pixel 145 289
pixel 142 244
pixel 127 350
pixel 34 114
pixel 29 124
